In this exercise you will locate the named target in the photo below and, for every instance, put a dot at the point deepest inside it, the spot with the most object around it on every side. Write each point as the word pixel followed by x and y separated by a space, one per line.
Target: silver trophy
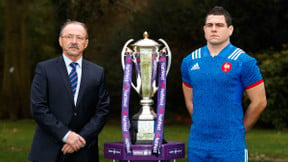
pixel 145 55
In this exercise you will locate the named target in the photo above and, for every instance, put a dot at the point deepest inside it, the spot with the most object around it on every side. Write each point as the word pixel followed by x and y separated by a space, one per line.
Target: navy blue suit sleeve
pixel 39 106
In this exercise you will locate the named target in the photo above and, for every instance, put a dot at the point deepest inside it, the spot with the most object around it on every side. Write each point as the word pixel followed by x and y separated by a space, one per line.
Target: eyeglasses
pixel 71 37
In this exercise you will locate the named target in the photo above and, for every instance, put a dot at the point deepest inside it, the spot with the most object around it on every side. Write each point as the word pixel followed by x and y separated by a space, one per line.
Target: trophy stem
pixel 147 111
pixel 143 123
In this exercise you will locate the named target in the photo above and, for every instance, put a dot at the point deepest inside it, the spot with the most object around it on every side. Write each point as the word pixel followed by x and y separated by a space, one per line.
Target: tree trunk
pixel 16 74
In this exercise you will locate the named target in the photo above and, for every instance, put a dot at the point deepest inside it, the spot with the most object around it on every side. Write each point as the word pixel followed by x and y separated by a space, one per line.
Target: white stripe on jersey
pixel 196 54
pixel 235 54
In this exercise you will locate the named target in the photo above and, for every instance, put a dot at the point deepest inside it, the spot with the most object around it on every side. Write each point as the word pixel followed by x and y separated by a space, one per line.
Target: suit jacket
pixel 55 113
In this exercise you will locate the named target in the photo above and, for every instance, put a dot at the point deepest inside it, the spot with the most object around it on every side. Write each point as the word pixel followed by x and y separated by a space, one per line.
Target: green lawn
pixel 16 136
pixel 268 144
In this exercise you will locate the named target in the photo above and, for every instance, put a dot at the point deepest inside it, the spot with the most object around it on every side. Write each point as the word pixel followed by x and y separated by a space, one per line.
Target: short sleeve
pixel 250 74
pixel 185 72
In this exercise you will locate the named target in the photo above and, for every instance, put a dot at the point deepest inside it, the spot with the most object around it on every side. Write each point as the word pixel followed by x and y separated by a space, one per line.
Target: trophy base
pixel 169 151
pixel 142 131
pixel 143 142
pixel 135 140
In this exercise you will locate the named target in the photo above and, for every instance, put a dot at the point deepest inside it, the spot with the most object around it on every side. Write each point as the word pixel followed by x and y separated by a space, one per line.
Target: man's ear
pixel 86 43
pixel 60 41
pixel 231 29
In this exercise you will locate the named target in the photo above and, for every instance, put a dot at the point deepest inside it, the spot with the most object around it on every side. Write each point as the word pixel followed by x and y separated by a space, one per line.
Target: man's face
pixel 73 41
pixel 216 30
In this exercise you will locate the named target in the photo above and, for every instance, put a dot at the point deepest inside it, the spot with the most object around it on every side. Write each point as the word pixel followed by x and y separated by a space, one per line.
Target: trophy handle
pixel 123 53
pixel 168 54
pixel 137 89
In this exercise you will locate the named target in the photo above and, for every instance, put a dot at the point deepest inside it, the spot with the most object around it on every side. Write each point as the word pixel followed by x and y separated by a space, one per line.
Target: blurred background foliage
pixel 30 31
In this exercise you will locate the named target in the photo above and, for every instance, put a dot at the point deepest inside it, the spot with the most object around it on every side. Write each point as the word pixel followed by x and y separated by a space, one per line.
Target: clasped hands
pixel 74 142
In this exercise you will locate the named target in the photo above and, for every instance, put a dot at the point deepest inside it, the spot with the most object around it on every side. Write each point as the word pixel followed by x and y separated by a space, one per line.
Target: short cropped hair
pixel 68 22
pixel 218 10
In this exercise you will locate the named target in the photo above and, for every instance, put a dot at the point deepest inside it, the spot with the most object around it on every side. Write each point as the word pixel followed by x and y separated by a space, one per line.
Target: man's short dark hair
pixel 218 10
pixel 68 22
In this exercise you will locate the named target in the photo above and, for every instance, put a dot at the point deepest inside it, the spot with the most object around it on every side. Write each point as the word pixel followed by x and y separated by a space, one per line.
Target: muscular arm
pixel 188 95
pixel 258 103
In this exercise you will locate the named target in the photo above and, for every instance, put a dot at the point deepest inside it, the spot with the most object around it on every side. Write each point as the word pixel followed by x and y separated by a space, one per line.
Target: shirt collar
pixel 69 61
pixel 223 53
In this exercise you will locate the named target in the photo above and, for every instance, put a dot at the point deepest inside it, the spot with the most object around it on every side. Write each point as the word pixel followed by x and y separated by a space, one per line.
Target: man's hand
pixel 67 149
pixel 73 143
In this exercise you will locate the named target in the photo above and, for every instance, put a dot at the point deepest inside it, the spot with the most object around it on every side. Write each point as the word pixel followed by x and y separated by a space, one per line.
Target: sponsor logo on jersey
pixel 226 67
pixel 195 67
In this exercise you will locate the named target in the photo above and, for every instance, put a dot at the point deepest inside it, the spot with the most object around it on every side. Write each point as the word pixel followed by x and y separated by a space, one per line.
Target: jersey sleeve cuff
pixel 254 84
pixel 187 85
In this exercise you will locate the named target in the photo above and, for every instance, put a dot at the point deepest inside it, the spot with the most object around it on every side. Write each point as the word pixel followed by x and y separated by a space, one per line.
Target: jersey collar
pixel 223 53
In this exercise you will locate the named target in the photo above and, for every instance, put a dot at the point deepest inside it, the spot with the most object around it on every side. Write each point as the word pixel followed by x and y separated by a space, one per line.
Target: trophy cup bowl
pixel 145 129
pixel 145 54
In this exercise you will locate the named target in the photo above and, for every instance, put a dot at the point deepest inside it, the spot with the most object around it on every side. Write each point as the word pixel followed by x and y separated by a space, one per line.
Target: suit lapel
pixel 83 82
pixel 64 75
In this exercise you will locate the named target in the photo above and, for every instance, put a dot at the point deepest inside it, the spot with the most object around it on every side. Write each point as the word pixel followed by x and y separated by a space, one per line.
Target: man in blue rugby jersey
pixel 214 78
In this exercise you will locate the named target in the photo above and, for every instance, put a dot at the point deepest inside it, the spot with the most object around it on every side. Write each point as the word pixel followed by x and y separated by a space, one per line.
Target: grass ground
pixel 16 136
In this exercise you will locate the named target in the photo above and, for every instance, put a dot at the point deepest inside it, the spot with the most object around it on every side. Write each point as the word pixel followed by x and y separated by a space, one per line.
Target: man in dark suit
pixel 68 102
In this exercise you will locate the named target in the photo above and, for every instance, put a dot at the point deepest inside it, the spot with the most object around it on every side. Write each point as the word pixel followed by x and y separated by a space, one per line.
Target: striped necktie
pixel 73 77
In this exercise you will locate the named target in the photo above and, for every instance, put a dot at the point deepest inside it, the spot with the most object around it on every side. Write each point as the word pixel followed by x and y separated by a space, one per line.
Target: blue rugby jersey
pixel 218 85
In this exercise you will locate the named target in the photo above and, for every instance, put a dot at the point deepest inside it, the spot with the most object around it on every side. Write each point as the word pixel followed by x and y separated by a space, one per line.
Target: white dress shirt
pixel 79 73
